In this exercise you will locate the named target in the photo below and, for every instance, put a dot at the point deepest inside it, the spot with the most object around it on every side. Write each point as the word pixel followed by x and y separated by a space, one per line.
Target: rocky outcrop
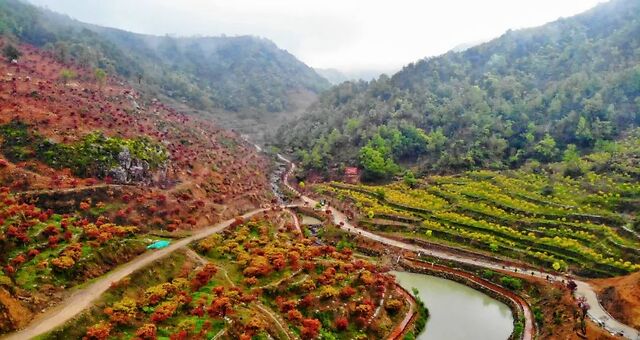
pixel 133 170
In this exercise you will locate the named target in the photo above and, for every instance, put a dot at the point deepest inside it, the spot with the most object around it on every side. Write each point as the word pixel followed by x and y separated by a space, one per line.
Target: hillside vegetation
pixel 76 133
pixel 258 280
pixel 586 223
pixel 529 94
pixel 91 172
pixel 235 78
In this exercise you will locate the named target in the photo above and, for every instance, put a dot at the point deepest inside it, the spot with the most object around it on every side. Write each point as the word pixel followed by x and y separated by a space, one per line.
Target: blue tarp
pixel 158 245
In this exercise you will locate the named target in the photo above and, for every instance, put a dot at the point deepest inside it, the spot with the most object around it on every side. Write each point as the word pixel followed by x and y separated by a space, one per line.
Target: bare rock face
pixel 125 159
pixel 130 169
pixel 118 174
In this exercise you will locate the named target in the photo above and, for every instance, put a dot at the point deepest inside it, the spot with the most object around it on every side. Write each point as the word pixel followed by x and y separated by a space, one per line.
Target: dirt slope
pixel 210 172
pixel 620 296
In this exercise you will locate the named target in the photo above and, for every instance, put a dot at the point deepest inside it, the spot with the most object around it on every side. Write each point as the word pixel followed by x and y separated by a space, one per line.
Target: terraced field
pixel 560 223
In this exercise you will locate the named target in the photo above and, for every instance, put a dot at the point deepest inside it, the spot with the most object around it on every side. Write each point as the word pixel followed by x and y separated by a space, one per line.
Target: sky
pixel 348 35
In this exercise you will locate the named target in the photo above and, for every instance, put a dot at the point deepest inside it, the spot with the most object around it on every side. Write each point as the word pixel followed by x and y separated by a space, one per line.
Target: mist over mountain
pixel 336 77
pixel 244 81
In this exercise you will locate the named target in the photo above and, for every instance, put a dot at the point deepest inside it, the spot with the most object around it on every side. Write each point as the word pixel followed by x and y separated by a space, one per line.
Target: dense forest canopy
pixel 530 94
pixel 232 73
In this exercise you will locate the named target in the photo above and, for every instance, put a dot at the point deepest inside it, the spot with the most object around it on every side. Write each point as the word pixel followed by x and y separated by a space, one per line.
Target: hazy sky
pixel 342 34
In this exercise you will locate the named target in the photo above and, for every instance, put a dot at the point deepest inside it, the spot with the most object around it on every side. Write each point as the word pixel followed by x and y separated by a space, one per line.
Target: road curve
pixel 84 297
pixel 596 312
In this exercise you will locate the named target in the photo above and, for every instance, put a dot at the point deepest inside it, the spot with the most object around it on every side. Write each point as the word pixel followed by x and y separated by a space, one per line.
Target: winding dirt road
pixel 596 312
pixel 84 297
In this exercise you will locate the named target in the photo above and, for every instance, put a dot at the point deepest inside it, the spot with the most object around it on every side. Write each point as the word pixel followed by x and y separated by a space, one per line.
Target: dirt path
pixel 83 298
pixel 596 313
pixel 401 328
pixel 68 190
pixel 273 317
pixel 296 221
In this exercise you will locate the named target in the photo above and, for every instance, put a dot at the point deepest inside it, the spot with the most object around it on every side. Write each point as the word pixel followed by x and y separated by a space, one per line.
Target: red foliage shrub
pixel 33 252
pixel 342 323
pixel 147 332
pixel 9 270
pixel 294 315
pixel 53 241
pixel 198 311
pixel 84 206
pixel 18 260
pixel 220 306
pixel 98 331
pixel 218 290
pixel 203 276
pixel 307 301
pixel 250 281
pixel 347 292
pixel 181 335
pixel 310 328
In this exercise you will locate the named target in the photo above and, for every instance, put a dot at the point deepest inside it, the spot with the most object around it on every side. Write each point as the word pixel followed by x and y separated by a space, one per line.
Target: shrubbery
pixel 92 156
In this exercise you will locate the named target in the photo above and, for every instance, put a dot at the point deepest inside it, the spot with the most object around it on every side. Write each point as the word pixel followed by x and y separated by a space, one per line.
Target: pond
pixel 308 220
pixel 457 312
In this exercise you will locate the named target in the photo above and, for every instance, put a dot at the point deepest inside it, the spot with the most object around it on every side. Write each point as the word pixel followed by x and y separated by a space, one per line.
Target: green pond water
pixel 458 312
pixel 308 220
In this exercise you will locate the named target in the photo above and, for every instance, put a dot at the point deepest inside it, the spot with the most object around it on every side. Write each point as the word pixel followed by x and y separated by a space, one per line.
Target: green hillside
pixel 527 95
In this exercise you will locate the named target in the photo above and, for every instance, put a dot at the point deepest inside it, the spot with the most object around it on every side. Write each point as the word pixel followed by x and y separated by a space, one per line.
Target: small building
pixel 351 175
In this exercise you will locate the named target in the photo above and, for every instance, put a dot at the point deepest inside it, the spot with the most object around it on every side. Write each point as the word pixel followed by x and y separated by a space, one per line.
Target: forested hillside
pixel 530 94
pixel 231 76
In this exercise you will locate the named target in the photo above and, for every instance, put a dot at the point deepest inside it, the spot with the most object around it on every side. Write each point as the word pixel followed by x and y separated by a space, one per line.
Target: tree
pixel 99 331
pixel 203 276
pixel 393 306
pixel 572 286
pixel 584 307
pixel 147 332
pixel 410 179
pixel 546 148
pixel 11 52
pixel 583 132
pixel 375 165
pixel 220 306
pixel 66 75
pixel 122 312
pixel 310 328
pixel 511 282
pixel 347 292
pixel 342 323
pixel 63 262
pixel 101 76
